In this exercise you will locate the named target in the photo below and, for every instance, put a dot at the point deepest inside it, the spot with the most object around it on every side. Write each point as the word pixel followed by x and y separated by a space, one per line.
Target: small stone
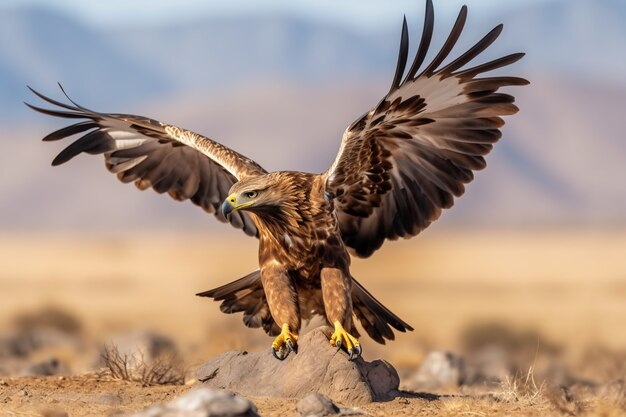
pixel 439 369
pixel 47 368
pixel 316 404
pixel 203 402
pixel 488 366
pixel 22 343
pixel 382 376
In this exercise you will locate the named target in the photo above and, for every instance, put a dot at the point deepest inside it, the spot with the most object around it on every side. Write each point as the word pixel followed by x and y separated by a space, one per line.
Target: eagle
pixel 399 165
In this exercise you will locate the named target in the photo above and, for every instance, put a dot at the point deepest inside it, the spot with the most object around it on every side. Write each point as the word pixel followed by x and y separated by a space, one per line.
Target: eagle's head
pixel 262 194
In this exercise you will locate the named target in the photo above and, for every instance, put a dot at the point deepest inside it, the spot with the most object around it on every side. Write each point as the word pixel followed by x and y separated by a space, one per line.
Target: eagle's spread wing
pixel 402 162
pixel 154 154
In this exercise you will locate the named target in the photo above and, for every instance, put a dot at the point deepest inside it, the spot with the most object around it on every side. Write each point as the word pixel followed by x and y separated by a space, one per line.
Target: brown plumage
pixel 399 165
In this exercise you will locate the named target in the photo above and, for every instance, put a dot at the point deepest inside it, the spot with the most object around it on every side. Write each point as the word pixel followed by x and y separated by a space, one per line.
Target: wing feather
pixel 427 35
pixel 404 161
pixel 183 164
pixel 453 37
pixel 402 56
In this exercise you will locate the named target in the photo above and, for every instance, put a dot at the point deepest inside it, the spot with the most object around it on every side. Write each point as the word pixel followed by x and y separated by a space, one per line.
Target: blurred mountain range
pixel 265 83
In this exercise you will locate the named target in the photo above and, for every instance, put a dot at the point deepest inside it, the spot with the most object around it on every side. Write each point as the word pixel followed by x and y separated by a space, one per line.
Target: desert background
pixel 527 272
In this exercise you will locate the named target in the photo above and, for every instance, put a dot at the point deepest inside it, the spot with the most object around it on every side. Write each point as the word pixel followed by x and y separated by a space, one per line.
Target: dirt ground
pixel 555 302
pixel 94 395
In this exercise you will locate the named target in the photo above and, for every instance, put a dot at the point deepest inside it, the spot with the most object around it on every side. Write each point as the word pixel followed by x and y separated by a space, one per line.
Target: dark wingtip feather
pixel 474 51
pixel 402 56
pixel 56 113
pixel 94 142
pixel 491 65
pixel 427 35
pixel 57 161
pixel 515 57
pixel 68 97
pixel 65 155
pixel 49 100
pixel 453 37
pixel 69 131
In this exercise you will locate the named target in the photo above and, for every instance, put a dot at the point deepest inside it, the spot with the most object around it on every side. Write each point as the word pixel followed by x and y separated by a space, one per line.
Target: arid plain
pixel 558 298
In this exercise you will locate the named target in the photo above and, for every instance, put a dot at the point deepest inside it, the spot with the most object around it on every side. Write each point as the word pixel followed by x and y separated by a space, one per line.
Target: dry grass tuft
pixel 522 390
pixel 163 370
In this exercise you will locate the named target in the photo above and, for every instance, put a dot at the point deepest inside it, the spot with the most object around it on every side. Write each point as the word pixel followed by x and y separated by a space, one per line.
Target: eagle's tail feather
pixel 246 295
pixel 375 317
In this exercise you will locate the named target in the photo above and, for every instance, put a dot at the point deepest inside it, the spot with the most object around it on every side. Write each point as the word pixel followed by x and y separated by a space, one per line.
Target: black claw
pixel 279 357
pixel 339 344
pixel 292 346
pixel 354 353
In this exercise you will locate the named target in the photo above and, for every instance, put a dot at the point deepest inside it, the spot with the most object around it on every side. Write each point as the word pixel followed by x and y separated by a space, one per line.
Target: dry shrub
pixel 162 370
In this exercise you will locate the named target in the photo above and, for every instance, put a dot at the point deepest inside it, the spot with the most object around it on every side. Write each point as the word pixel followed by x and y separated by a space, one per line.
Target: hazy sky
pixel 354 12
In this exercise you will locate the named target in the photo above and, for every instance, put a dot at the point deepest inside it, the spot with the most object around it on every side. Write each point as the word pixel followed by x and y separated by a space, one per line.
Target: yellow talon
pixel 285 343
pixel 341 338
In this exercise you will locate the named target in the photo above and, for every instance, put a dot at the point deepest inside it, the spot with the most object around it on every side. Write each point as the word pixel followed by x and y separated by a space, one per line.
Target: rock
pixel 488 366
pixel 317 368
pixel 22 343
pixel 316 404
pixel 48 367
pixel 203 402
pixel 439 369
pixel 34 337
pixel 50 317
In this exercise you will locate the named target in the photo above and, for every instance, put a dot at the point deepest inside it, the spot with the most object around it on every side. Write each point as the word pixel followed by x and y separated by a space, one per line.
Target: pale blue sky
pixel 350 12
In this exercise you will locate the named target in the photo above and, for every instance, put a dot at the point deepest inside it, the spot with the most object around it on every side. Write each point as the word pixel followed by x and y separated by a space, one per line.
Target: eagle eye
pixel 251 194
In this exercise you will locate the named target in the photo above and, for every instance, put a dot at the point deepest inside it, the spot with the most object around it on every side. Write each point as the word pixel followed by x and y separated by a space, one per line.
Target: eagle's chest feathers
pixel 309 244
pixel 304 250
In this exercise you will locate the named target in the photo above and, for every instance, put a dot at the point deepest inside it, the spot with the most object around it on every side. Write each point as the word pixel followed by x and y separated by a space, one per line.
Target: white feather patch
pixel 438 93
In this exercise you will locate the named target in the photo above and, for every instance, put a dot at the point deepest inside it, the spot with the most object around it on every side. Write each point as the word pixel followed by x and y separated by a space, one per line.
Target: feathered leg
pixel 336 291
pixel 282 300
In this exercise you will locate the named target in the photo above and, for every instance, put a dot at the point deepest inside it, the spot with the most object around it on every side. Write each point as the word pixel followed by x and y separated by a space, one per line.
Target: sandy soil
pixel 560 296
pixel 97 395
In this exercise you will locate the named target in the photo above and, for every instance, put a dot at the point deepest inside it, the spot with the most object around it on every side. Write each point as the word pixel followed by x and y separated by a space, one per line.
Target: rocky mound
pixel 317 368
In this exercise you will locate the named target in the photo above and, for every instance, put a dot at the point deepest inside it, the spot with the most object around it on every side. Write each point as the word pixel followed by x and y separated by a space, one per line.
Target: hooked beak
pixel 229 205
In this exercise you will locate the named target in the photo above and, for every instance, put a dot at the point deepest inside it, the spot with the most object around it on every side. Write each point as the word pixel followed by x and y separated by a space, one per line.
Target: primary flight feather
pixel 398 166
